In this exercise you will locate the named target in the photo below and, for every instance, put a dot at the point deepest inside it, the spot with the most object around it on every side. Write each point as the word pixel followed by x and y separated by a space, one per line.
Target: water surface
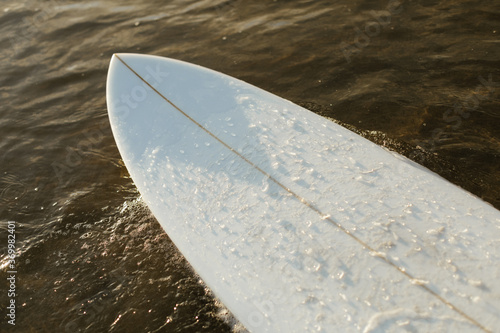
pixel 419 77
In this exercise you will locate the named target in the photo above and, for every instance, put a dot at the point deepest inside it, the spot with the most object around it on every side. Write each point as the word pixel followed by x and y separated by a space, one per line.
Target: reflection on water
pixel 419 77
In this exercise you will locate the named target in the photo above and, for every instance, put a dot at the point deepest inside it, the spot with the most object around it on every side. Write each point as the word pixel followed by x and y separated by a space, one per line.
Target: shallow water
pixel 419 77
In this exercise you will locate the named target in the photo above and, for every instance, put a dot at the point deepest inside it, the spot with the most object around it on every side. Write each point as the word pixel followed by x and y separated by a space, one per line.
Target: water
pixel 419 77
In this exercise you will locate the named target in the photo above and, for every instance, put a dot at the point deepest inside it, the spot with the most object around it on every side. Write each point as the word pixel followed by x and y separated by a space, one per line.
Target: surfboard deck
pixel 296 223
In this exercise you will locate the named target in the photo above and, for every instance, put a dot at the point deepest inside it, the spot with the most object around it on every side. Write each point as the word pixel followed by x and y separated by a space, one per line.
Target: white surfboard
pixel 294 222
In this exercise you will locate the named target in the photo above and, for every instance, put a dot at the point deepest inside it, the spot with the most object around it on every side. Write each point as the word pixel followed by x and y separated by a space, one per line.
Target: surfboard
pixel 296 223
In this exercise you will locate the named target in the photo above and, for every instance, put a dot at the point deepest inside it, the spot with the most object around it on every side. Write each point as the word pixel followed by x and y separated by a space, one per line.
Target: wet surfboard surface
pixel 296 223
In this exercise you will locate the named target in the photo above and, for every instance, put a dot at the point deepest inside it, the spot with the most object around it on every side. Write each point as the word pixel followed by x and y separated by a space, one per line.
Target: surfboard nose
pixel 119 58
